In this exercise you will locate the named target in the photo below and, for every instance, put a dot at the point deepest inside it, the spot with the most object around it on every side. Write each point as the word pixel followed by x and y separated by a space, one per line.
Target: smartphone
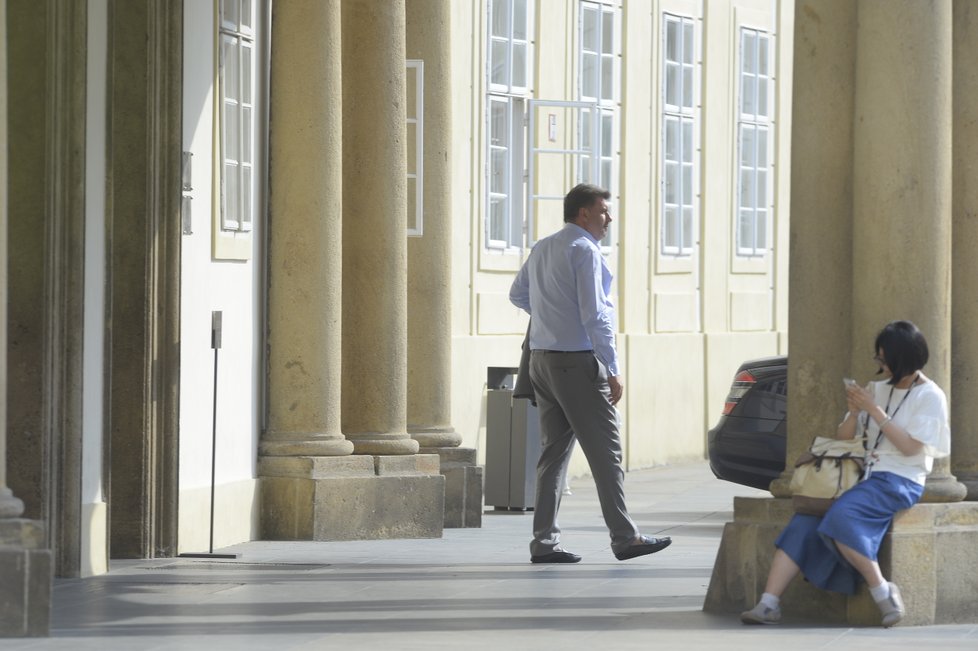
pixel 848 381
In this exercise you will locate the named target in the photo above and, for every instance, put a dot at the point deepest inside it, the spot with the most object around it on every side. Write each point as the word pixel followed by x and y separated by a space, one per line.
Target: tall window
pixel 415 147
pixel 237 88
pixel 679 125
pixel 508 76
pixel 753 142
pixel 599 84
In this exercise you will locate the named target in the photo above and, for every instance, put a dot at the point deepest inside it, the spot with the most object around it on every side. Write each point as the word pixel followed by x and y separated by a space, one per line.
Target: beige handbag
pixel 829 468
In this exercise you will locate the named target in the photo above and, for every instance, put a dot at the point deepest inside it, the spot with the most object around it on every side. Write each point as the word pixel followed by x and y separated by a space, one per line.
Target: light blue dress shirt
pixel 565 285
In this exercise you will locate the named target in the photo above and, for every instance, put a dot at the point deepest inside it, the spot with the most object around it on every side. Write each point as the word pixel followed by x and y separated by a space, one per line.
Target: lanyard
pixel 870 460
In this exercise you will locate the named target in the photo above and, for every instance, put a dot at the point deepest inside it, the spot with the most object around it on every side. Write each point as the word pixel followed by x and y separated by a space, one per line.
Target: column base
pixel 25 579
pixel 383 444
pixel 970 482
pixel 295 445
pixel 463 486
pixel 924 553
pixel 435 437
pixel 351 498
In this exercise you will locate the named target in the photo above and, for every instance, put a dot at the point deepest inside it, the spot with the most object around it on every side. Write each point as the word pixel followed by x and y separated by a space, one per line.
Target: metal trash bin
pixel 512 444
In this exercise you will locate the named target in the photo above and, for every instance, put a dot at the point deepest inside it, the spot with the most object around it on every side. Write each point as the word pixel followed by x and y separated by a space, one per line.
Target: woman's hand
pixel 859 398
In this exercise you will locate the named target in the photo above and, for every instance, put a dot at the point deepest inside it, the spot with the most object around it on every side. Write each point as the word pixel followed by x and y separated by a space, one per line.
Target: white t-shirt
pixel 923 414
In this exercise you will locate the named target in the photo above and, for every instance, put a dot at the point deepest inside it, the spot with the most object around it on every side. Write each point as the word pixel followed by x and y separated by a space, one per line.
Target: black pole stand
pixel 216 345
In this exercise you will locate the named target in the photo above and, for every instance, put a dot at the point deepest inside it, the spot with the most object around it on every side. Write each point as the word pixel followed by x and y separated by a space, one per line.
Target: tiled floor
pixel 471 589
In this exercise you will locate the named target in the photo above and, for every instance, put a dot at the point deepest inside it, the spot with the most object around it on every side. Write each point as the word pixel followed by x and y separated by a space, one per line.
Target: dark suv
pixel 747 446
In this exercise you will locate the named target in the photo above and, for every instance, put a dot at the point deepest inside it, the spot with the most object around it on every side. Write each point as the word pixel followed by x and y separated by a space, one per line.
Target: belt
pixel 561 352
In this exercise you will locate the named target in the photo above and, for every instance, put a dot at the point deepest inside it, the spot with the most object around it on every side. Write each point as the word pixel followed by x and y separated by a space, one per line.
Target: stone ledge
pixel 415 464
pixel 315 467
pixel 20 533
pixel 25 583
pixel 930 553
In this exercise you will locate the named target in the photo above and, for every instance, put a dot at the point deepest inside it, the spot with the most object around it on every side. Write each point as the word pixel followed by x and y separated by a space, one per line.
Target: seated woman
pixel 905 421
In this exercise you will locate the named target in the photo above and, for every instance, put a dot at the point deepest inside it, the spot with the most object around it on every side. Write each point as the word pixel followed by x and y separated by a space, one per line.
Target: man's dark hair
pixel 904 349
pixel 582 196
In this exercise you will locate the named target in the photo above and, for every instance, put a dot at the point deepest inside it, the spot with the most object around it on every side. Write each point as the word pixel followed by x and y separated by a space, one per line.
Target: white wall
pixel 94 549
pixel 208 284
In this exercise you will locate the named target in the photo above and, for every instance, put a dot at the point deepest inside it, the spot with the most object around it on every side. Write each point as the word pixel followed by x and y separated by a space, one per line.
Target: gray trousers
pixel 573 400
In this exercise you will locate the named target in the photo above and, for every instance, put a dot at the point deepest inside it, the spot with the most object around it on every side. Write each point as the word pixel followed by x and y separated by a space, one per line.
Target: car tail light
pixel 741 384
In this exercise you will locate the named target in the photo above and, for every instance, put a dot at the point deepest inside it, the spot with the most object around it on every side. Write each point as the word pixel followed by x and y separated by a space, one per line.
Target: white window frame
pixel 606 98
pixel 685 114
pixel 754 182
pixel 238 115
pixel 415 136
pixel 511 95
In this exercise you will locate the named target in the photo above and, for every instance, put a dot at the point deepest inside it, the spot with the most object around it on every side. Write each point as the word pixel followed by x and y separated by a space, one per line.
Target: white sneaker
pixel 892 607
pixel 761 614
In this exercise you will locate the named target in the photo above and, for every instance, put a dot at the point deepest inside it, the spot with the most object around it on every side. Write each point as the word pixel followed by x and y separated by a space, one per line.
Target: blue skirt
pixel 859 519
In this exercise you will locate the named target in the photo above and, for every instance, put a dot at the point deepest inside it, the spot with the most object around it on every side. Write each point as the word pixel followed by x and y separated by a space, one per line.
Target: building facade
pixel 259 252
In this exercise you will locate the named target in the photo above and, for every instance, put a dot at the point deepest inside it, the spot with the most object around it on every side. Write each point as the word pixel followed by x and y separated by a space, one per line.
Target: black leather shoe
pixel 649 545
pixel 556 557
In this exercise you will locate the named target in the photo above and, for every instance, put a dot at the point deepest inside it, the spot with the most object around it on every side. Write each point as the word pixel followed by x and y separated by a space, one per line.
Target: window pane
pixel 672 139
pixel 247 56
pixel 745 231
pixel 497 174
pixel 605 174
pixel 672 84
pixel 670 227
pixel 231 70
pixel 688 42
pixel 232 127
pixel 747 188
pixel 761 188
pixel 585 129
pixel 748 95
pixel 497 124
pixel 762 62
pixel 412 205
pixel 589 29
pixel 760 230
pixel 608 78
pixel 499 74
pixel 232 191
pixel 672 182
pixel 585 171
pixel 247 20
pixel 762 84
pixel 747 145
pixel 687 197
pixel 519 20
pixel 687 229
pixel 687 86
pixel 412 144
pixel 246 196
pixel 230 12
pixel 497 219
pixel 672 41
pixel 247 129
pixel 749 53
pixel 762 147
pixel 589 75
pixel 607 32
pixel 607 131
pixel 500 18
pixel 519 64
pixel 687 141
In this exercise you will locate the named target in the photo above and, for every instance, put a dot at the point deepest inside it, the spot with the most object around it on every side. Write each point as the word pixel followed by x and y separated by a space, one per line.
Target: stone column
pixel 25 565
pixel 964 285
pixel 821 224
pixel 375 229
pixel 902 188
pixel 429 326
pixel 305 243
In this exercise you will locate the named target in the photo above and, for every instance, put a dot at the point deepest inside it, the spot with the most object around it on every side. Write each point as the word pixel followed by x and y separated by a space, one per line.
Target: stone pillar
pixel 375 229
pixel 902 188
pixel 964 313
pixel 305 244
pixel 821 223
pixel 25 565
pixel 429 313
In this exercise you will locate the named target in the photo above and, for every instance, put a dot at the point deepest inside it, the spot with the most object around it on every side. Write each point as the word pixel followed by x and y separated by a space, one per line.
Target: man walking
pixel 564 286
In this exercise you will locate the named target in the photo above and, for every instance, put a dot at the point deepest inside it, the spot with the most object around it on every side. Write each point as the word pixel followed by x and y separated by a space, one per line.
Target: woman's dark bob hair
pixel 904 349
